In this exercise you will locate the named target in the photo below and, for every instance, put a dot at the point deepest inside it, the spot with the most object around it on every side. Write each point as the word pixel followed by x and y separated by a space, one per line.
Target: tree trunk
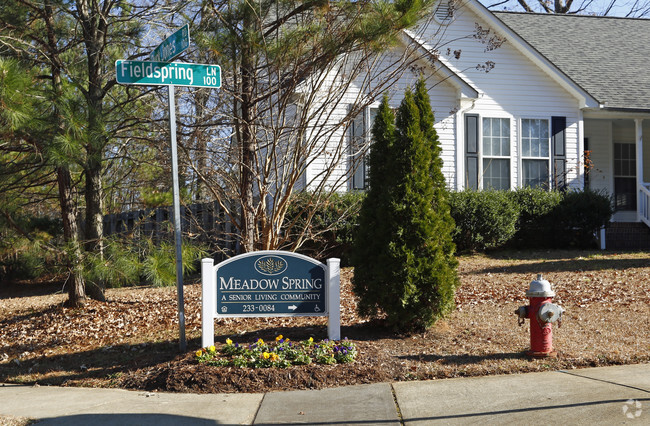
pixel 94 207
pixel 201 144
pixel 247 143
pixel 76 287
pixel 67 203
pixel 94 25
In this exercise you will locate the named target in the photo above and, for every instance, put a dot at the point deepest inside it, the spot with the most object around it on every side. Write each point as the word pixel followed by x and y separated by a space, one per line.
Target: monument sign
pixel 270 283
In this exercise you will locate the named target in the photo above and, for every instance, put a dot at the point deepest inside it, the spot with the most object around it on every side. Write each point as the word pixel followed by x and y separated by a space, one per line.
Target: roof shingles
pixel 608 57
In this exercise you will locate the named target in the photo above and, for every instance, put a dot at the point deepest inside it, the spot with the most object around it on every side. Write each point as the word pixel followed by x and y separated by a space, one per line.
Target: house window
pixel 496 153
pixel 535 148
pixel 487 152
pixel 361 137
pixel 625 176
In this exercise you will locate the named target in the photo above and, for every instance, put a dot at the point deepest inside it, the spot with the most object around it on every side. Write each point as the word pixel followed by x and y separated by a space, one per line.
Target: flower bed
pixel 282 353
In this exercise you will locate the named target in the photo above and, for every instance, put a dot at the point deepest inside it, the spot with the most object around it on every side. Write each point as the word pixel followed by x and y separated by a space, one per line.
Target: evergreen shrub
pixel 536 216
pixel 484 219
pixel 403 256
pixel 528 218
pixel 554 219
pixel 579 216
pixel 28 258
pixel 127 262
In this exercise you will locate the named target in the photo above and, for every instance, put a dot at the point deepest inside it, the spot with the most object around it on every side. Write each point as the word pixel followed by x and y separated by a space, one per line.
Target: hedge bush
pixel 579 216
pixel 484 219
pixel 528 218
pixel 537 209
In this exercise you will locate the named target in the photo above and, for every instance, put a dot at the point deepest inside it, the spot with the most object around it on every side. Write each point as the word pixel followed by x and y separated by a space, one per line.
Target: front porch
pixel 626 236
pixel 617 158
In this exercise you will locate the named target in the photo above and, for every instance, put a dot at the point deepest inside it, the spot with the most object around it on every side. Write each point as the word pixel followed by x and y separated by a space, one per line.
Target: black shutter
pixel 471 151
pixel 558 146
pixel 587 166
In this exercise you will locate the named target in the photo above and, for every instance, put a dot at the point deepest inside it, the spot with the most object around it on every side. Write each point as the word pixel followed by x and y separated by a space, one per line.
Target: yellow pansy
pixel 212 349
pixel 228 342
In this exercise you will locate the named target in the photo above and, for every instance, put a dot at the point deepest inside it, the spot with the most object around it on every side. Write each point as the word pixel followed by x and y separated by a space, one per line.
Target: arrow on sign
pixel 293 307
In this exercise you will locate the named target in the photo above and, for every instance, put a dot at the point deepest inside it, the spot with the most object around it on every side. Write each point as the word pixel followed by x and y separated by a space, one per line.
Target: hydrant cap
pixel 540 288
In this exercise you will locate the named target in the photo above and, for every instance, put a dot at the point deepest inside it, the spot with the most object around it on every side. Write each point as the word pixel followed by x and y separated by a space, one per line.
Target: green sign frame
pixel 172 46
pixel 148 73
pixel 265 283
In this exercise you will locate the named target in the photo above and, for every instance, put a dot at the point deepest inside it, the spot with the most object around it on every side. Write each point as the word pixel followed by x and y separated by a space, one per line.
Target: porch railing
pixel 644 203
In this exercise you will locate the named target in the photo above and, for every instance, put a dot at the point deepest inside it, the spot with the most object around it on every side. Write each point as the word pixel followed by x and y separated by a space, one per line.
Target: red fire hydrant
pixel 542 314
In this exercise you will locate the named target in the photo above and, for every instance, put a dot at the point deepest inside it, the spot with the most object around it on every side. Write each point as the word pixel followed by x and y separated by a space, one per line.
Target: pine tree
pixel 404 258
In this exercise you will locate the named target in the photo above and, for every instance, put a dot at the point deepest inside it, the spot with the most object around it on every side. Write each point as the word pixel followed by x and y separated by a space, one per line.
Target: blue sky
pixel 597 7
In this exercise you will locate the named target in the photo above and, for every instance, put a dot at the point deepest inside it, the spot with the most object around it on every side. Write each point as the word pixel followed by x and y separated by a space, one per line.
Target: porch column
pixel 638 122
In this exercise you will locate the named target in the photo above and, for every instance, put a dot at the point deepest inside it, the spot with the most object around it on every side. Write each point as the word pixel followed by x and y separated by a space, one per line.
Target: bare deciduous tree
pixel 291 70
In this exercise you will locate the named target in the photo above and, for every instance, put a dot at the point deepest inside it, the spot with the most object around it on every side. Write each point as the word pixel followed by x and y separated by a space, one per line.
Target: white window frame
pixel 358 158
pixel 523 158
pixel 630 160
pixel 482 156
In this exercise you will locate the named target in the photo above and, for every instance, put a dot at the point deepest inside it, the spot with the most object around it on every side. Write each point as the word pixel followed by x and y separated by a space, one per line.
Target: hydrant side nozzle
pixel 522 313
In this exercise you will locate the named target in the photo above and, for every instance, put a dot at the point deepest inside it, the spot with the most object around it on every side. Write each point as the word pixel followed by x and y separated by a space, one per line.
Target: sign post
pixel 177 218
pixel 161 72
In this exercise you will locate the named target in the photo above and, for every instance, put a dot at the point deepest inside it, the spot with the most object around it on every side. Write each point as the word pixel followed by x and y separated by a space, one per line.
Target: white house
pixel 530 99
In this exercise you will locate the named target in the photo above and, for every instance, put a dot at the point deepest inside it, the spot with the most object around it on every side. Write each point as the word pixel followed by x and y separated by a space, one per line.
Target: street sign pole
pixel 160 71
pixel 177 218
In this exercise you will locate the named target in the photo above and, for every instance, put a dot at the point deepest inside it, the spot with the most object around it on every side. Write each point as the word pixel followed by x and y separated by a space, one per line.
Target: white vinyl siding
pixel 515 88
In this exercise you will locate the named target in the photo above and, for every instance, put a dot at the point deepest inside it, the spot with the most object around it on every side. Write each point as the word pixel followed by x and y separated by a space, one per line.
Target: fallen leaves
pixel 131 340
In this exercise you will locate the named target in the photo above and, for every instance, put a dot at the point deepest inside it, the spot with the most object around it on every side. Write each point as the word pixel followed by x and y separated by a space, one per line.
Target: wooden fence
pixel 206 223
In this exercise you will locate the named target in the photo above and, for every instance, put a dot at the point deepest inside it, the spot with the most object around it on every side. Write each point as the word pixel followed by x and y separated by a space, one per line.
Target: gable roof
pixel 465 89
pixel 607 57
pixel 585 99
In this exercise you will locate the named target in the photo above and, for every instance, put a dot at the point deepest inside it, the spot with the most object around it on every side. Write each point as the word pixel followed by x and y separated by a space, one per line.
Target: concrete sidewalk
pixel 607 395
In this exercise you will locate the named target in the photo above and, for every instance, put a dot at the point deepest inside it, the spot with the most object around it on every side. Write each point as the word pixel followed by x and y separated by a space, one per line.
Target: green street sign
pixel 172 46
pixel 147 73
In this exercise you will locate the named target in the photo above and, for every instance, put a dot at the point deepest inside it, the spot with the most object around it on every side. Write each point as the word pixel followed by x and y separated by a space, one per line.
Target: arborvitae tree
pixel 374 224
pixel 404 258
pixel 445 224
